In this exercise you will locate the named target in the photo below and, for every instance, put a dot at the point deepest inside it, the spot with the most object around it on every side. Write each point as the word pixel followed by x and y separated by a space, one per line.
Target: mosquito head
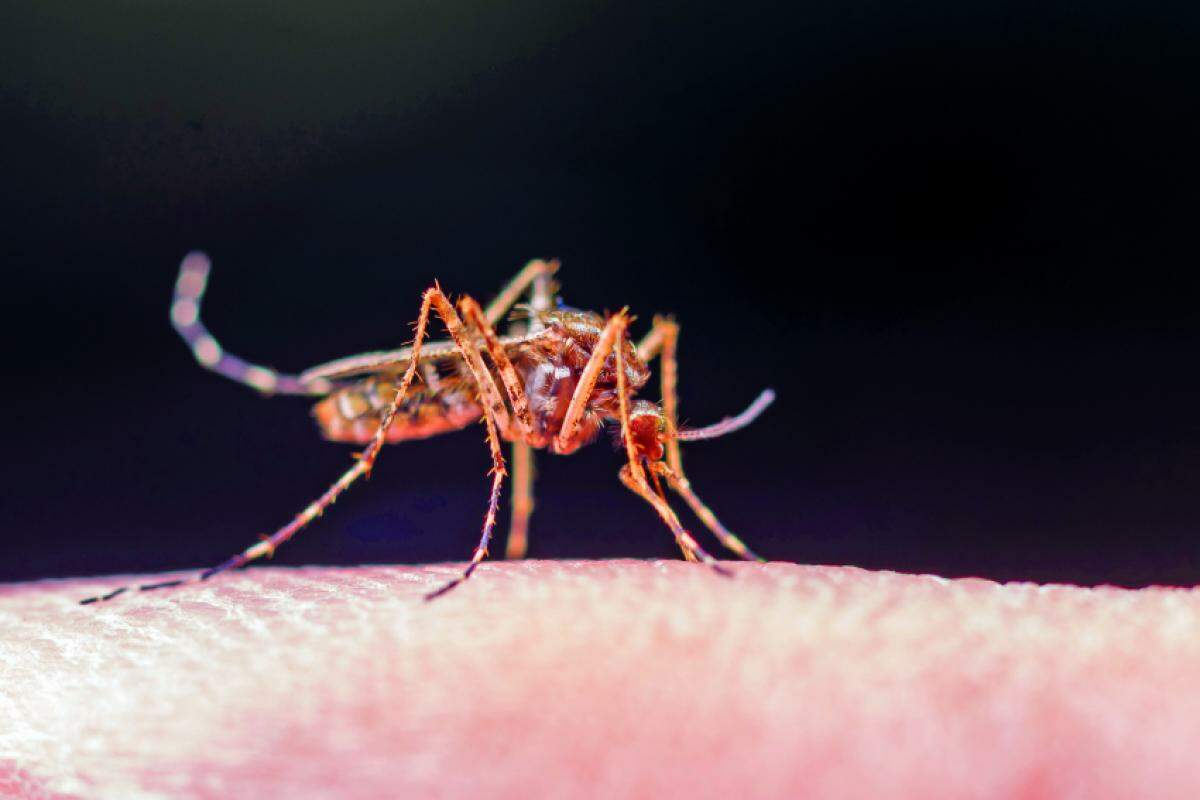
pixel 648 427
pixel 650 432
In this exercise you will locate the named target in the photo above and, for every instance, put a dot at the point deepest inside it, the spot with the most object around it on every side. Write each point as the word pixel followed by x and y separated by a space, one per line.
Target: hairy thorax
pixel 551 367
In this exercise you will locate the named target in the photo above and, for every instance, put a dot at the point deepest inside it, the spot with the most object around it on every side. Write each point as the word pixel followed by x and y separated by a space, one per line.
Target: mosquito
pixel 552 382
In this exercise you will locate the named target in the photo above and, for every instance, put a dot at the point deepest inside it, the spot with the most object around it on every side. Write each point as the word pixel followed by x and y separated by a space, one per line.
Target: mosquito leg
pixel 363 466
pixel 612 340
pixel 652 343
pixel 613 334
pixel 687 543
pixel 634 476
pixel 185 316
pixel 663 340
pixel 489 520
pixel 542 295
pixel 513 385
pixel 436 301
pixel 683 486
pixel 531 273
pixel 688 555
pixel 489 392
pixel 522 508
pixel 495 416
pixel 524 471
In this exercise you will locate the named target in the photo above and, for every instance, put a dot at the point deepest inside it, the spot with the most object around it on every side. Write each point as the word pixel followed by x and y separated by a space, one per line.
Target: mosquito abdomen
pixel 352 413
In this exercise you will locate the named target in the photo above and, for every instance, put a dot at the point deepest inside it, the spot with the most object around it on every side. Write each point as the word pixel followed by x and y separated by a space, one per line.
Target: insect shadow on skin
pixel 551 382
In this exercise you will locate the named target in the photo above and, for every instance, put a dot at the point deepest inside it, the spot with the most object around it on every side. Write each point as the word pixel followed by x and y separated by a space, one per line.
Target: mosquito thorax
pixel 577 333
pixel 551 366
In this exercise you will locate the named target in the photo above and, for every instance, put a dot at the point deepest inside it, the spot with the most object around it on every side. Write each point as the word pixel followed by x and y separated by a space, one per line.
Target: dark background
pixel 959 240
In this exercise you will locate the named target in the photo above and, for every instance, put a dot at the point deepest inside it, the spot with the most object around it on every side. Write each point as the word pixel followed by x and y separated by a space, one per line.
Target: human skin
pixel 587 679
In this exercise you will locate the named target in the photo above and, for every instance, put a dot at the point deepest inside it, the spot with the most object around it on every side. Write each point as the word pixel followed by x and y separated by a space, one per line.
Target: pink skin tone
pixel 587 679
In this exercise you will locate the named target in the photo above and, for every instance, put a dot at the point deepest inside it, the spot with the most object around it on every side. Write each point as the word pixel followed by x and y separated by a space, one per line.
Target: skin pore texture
pixel 599 679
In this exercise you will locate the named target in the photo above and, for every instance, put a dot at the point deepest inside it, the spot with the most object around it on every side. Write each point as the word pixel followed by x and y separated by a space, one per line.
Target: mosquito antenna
pixel 729 424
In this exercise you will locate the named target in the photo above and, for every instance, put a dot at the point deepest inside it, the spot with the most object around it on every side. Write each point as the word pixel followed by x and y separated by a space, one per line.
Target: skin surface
pixel 584 679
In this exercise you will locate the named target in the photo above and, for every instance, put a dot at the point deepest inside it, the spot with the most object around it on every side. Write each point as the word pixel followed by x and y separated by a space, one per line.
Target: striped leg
pixel 436 300
pixel 185 316
pixel 433 299
pixel 513 385
pixel 683 486
pixel 687 543
pixel 523 424
pixel 634 476
pixel 495 416
pixel 612 335
pixel 366 460
pixel 524 471
pixel 663 340
pixel 536 272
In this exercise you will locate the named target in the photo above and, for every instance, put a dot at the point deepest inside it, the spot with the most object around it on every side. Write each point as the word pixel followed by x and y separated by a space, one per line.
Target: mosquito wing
pixel 394 360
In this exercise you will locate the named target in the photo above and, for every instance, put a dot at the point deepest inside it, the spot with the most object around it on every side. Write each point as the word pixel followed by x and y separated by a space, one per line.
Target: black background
pixel 957 238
